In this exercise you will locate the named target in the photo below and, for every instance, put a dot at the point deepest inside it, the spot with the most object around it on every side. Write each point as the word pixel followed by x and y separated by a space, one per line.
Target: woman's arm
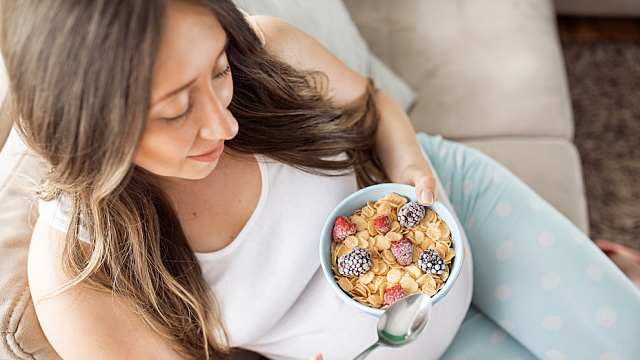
pixel 81 323
pixel 399 151
pixel 396 142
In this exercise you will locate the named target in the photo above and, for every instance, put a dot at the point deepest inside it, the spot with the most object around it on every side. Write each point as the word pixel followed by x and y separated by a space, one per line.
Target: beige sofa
pixel 488 73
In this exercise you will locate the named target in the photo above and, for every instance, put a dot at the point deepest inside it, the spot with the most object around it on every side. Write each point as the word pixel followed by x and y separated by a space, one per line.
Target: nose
pixel 216 121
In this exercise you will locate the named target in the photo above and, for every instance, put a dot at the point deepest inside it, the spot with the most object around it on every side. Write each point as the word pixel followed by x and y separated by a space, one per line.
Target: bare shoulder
pixel 81 323
pixel 296 47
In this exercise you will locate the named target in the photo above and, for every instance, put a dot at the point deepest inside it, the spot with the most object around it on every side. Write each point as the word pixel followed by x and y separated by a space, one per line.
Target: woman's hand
pixel 425 183
pixel 317 356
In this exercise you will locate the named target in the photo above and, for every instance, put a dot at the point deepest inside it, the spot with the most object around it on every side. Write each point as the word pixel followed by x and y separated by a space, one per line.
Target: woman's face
pixel 191 90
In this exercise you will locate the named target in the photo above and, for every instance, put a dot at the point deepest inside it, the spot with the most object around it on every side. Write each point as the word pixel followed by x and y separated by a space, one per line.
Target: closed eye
pixel 223 73
pixel 184 114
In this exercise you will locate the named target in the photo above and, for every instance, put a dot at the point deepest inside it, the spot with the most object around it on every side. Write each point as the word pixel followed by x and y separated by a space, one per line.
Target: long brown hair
pixel 80 74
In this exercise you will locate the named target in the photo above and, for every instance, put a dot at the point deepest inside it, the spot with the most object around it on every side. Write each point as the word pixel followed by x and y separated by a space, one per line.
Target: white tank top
pixel 273 296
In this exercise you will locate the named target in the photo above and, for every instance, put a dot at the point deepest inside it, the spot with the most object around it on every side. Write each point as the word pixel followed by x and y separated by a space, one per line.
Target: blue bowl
pixel 357 201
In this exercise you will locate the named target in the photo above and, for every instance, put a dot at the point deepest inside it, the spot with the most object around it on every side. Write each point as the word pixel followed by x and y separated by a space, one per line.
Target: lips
pixel 210 156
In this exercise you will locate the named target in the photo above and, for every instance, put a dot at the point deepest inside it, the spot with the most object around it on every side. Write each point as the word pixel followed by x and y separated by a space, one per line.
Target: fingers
pixel 426 189
pixel 317 356
pixel 425 183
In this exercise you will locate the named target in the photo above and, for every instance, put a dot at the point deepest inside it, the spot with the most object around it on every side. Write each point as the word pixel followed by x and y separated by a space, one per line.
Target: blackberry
pixel 355 262
pixel 431 262
pixel 410 214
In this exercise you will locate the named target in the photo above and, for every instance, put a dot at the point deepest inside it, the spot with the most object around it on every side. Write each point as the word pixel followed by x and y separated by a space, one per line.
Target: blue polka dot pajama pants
pixel 542 289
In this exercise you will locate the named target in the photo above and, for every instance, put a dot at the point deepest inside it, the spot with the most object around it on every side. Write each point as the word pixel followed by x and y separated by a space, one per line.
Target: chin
pixel 197 172
pixel 184 171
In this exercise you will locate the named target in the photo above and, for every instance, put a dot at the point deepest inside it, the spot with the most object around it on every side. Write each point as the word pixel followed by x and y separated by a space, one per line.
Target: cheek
pixel 162 148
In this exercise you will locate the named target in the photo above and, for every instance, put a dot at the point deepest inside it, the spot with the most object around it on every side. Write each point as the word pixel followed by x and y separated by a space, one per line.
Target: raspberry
pixel 410 214
pixel 342 228
pixel 394 294
pixel 355 262
pixel 403 251
pixel 431 262
pixel 383 223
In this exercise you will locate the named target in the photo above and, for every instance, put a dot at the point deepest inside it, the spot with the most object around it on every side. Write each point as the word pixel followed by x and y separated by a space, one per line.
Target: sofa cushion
pixel 22 337
pixel 328 21
pixel 552 169
pixel 480 68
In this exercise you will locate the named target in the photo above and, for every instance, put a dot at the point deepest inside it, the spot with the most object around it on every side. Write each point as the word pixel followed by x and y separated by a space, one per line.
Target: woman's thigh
pixel 535 273
pixel 481 338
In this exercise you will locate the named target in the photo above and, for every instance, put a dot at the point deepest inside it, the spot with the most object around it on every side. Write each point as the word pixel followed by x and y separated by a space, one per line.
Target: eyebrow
pixel 187 85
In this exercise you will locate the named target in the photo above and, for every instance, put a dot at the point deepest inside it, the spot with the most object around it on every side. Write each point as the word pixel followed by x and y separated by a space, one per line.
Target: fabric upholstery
pixel 480 68
pixel 22 337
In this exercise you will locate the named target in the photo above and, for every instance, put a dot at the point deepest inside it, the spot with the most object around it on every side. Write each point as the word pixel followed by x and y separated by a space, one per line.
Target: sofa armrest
pixel 22 337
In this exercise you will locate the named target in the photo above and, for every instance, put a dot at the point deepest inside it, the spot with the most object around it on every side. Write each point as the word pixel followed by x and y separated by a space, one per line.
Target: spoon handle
pixel 367 351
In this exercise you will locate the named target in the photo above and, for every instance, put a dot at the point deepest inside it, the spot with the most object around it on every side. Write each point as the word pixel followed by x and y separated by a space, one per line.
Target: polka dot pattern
pixel 594 273
pixel 546 239
pixel 606 316
pixel 536 205
pixel 498 336
pixel 503 209
pixel 504 292
pixel 552 323
pixel 550 281
pixel 504 251
pixel 554 354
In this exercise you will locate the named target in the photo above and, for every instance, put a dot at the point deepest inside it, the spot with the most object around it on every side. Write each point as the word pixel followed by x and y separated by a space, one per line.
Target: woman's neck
pixel 213 210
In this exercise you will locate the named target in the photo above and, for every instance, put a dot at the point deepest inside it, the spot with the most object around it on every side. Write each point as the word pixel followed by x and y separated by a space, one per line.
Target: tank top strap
pixel 57 214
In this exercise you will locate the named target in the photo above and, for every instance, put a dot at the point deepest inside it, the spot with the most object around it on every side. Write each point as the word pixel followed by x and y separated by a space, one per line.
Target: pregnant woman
pixel 192 155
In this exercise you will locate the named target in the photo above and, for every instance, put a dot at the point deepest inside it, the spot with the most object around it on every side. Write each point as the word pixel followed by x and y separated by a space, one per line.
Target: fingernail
pixel 427 197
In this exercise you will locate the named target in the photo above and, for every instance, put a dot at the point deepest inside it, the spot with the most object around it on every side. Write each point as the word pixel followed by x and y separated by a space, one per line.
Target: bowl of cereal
pixel 379 245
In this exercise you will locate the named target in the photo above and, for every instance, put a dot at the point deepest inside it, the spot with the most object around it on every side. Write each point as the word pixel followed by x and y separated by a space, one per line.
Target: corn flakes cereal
pixel 351 241
pixel 369 288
